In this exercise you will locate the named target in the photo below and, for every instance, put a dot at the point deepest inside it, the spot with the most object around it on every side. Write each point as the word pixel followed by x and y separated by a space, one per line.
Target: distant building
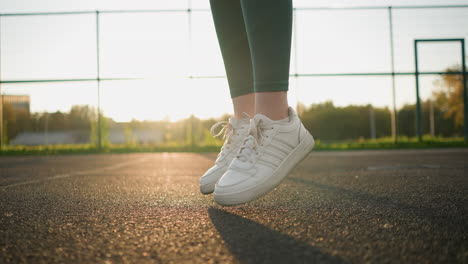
pixel 18 102
pixel 116 135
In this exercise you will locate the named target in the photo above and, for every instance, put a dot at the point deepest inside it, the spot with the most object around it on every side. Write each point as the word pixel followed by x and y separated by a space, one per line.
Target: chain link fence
pixel 106 64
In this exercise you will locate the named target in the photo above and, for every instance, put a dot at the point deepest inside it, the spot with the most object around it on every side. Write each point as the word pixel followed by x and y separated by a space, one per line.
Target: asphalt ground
pixel 335 207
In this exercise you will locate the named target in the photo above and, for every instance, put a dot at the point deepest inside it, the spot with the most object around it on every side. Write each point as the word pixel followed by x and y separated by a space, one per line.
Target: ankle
pixel 244 104
pixel 273 105
pixel 243 115
pixel 274 114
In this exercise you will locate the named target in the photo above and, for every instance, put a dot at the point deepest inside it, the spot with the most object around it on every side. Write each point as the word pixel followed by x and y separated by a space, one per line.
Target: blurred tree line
pixel 325 120
pixel 15 121
pixel 445 108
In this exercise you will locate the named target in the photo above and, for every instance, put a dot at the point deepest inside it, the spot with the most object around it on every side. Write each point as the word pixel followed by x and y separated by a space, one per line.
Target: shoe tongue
pixel 237 122
pixel 262 117
pixel 265 119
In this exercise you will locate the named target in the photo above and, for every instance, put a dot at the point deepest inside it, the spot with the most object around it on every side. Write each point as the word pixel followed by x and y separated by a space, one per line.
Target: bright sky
pixel 156 46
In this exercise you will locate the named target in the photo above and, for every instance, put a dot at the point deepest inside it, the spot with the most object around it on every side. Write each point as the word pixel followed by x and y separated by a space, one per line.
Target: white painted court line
pixel 66 175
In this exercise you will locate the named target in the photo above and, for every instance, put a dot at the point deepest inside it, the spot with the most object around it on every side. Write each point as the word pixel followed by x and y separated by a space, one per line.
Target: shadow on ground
pixel 251 242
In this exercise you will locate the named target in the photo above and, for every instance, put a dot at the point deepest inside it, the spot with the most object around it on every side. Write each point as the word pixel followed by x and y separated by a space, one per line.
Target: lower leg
pixel 232 37
pixel 269 29
pixel 244 103
pixel 274 105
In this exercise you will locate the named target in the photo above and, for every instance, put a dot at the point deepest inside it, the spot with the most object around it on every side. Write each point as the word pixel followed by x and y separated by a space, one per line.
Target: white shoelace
pixel 227 129
pixel 249 148
pixel 228 132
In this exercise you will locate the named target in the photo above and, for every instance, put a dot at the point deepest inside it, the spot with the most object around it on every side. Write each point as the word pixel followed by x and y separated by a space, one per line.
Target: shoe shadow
pixel 251 242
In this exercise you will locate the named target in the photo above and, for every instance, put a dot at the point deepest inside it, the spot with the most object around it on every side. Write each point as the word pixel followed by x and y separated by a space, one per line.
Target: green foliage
pixel 380 144
pixel 4 138
pixel 14 121
pixel 347 126
pixel 130 139
pixel 444 126
pixel 104 131
pixel 450 95
pixel 208 139
pixel 80 117
pixel 388 143
pixel 328 122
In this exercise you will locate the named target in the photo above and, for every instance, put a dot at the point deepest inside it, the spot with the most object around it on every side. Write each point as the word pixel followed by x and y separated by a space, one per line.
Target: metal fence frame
pixel 465 98
pixel 189 11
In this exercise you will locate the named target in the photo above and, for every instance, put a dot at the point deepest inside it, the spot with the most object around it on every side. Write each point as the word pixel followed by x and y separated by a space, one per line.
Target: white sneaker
pixel 268 154
pixel 234 133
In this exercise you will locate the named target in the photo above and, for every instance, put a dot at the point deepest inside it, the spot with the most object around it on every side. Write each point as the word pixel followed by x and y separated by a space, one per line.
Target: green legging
pixel 255 41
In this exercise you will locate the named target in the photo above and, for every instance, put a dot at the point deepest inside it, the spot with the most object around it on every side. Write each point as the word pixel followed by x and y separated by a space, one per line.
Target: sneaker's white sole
pixel 207 188
pixel 297 155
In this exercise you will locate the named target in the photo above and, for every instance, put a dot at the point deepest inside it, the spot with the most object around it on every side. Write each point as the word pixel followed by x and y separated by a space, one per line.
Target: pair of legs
pixel 255 41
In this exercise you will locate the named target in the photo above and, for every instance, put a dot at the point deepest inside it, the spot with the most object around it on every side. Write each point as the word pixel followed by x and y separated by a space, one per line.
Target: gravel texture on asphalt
pixel 402 206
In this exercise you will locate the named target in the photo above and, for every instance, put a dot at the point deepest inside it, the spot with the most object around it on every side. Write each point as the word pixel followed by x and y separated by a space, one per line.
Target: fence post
pixel 98 78
pixel 1 96
pixel 373 132
pixel 192 132
pixel 418 102
pixel 392 58
pixel 431 117
pixel 189 31
pixel 465 95
pixel 190 70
